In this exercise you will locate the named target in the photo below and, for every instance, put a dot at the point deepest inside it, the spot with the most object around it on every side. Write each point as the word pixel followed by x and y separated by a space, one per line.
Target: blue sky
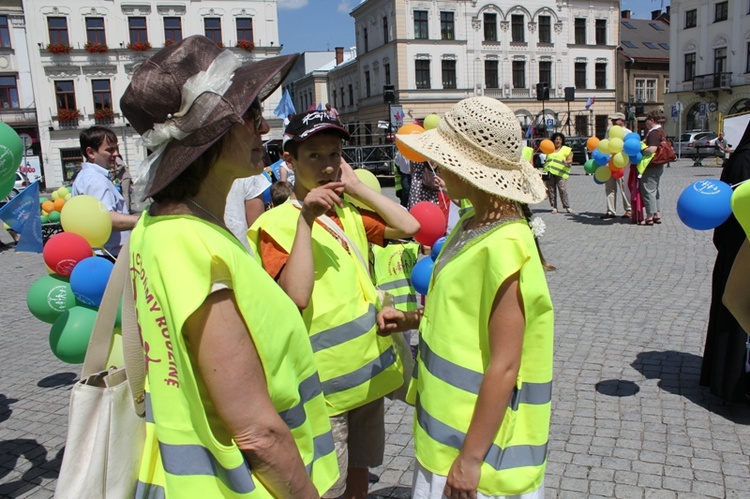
pixel 326 24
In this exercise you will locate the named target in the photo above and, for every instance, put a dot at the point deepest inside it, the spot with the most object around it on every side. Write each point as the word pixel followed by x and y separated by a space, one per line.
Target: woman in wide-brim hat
pixel 234 405
pixel 485 355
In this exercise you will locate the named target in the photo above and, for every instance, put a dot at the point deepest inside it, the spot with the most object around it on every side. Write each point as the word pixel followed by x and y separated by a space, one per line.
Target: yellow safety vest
pixel 645 160
pixel 454 354
pixel 184 456
pixel 392 267
pixel 356 365
pixel 527 153
pixel 555 162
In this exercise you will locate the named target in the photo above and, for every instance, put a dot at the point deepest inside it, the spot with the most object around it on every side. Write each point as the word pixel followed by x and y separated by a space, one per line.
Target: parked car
pixel 20 184
pixel 685 145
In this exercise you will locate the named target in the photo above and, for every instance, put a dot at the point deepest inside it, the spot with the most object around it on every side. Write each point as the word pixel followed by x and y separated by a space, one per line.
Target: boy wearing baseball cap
pixel 316 248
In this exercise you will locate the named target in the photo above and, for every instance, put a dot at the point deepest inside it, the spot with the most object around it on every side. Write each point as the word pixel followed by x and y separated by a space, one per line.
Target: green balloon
pixel 11 152
pixel 70 334
pixel 590 166
pixel 42 199
pixel 54 216
pixel 44 219
pixel 7 186
pixel 49 297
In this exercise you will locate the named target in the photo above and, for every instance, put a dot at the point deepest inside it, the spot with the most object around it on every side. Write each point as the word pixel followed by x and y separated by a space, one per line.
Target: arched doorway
pixel 694 121
pixel 741 106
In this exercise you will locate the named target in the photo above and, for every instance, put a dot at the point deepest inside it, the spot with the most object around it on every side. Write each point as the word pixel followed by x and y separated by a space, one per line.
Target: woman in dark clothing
pixel 724 358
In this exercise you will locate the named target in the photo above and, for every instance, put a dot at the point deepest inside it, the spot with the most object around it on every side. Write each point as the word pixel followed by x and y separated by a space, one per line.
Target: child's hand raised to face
pixel 348 177
pixel 321 199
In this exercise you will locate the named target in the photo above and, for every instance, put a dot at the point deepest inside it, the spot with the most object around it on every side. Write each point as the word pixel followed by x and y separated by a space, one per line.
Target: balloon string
pixel 740 183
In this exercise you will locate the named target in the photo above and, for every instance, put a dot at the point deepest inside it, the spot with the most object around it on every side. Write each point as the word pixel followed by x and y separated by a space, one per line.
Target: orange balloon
pixel 409 129
pixel 613 167
pixel 48 206
pixel 547 146
pixel 592 143
pixel 58 204
pixel 409 153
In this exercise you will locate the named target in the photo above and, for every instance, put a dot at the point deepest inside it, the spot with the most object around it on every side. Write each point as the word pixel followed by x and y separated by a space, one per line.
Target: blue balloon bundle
pixel 422 271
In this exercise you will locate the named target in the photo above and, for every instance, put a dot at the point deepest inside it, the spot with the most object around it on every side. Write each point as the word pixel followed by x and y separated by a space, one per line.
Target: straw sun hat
pixel 479 140
pixel 187 96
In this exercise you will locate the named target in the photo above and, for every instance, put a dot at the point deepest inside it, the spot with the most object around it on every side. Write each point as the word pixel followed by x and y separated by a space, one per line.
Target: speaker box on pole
pixel 542 91
pixel 570 94
pixel 389 94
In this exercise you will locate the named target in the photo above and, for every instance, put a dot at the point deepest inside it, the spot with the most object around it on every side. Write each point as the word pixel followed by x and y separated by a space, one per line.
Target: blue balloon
pixel 631 136
pixel 636 158
pixel 436 247
pixel 705 204
pixel 631 147
pixel 597 181
pixel 267 195
pixel 421 274
pixel 600 158
pixel 89 279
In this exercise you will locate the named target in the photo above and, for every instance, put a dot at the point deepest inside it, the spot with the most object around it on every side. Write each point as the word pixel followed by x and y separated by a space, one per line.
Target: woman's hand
pixel 391 320
pixel 463 478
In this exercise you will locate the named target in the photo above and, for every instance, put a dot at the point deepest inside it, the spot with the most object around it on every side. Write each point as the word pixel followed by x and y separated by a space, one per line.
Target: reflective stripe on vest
pixel 361 375
pixel 345 332
pixel 148 491
pixel 555 162
pixel 197 460
pixel 516 456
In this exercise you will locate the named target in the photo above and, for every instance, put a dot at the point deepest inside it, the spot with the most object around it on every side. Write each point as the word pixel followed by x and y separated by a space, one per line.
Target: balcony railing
pixel 18 115
pixel 712 81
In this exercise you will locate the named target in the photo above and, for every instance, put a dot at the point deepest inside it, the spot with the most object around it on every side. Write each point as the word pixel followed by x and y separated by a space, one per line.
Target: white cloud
pixel 344 7
pixel 292 4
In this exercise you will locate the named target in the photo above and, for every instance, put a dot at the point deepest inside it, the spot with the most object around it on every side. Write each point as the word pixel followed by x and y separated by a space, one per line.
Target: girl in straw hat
pixel 483 384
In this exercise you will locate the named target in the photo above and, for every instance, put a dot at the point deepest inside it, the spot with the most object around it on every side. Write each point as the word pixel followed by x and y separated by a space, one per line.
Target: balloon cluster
pixel 11 154
pixel 50 208
pixel 609 157
pixel 69 297
pixel 431 121
pixel 432 229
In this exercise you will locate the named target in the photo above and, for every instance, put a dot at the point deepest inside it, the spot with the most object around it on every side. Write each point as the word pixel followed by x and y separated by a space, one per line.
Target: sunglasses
pixel 255 114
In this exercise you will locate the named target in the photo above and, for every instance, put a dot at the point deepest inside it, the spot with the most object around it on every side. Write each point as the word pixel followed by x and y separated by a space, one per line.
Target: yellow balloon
pixel 616 132
pixel 87 217
pixel 603 146
pixel 741 206
pixel 68 196
pixel 620 159
pixel 602 173
pixel 62 192
pixel 431 121
pixel 615 145
pixel 370 180
pixel 44 213
pixel 55 195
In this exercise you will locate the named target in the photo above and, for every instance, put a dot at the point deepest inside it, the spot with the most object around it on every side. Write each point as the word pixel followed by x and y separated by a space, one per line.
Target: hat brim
pixel 523 184
pixel 327 127
pixel 253 79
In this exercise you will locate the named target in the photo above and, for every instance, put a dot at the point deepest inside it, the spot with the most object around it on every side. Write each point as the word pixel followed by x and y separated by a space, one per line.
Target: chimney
pixel 667 9
pixel 655 14
pixel 625 14
pixel 339 55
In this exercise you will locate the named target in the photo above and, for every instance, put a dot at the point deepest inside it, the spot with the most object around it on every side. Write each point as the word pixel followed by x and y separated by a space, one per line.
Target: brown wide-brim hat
pixel 480 140
pixel 155 95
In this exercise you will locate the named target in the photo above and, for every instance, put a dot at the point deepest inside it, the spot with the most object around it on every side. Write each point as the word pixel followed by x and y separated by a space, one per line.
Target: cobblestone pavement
pixel 629 419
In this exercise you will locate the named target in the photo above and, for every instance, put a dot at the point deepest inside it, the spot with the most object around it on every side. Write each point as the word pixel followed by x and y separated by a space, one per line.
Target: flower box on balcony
pixel 66 115
pixel 220 45
pixel 139 46
pixel 95 48
pixel 104 116
pixel 246 45
pixel 58 48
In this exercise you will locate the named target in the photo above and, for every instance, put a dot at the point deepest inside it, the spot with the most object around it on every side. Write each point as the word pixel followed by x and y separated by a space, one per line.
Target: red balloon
pixel 618 173
pixel 64 250
pixel 431 220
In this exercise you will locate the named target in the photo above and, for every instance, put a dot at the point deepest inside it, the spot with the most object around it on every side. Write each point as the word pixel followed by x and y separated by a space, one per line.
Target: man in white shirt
pixel 99 148
pixel 612 185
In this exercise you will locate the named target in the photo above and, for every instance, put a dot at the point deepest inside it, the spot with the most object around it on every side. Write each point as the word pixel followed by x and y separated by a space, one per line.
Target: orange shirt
pixel 274 257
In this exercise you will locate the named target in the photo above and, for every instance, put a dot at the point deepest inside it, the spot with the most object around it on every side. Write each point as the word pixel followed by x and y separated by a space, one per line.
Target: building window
pixel 666 85
pixel 95 30
pixel 449 74
pixel 519 74
pixel 491 74
pixel 71 162
pixel 65 95
pixel 4 32
pixel 212 28
pixel 645 89
pixel 545 29
pixel 420 24
pixel 366 40
pixel 720 60
pixel 691 18
pixel 600 75
pixel 245 29
pixel 689 66
pixel 447 31
pixel 545 72
pixel 137 27
pixel 58 30
pixel 8 92
pixel 387 73
pixel 601 31
pixel 721 12
pixel 335 104
pixel 580 74
pixel 422 72
pixel 351 95
pixel 490 27
pixel 367 83
pixel 747 59
pixel 342 97
pixel 385 30
pixel 516 28
pixel 580 31
pixel 102 92
pixel 172 29
pixel 582 125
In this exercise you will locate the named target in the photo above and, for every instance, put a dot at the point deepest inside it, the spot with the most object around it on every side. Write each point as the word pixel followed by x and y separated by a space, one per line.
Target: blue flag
pixel 22 215
pixel 590 102
pixel 285 107
pixel 529 132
